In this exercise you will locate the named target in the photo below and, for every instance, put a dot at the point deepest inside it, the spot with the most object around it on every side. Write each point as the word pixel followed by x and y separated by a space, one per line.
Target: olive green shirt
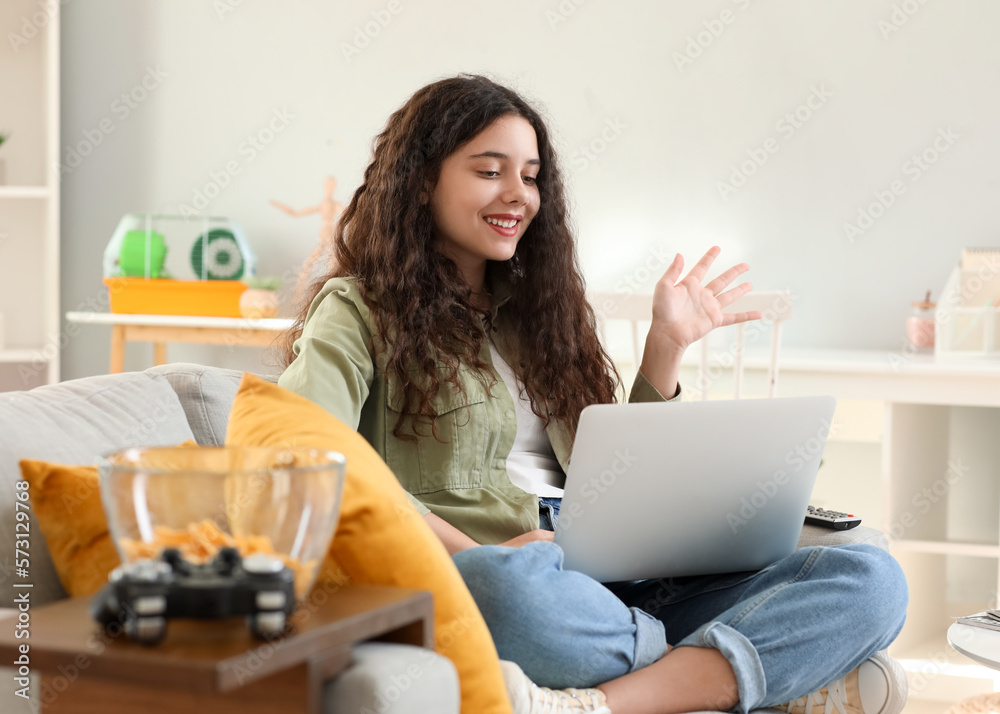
pixel 463 480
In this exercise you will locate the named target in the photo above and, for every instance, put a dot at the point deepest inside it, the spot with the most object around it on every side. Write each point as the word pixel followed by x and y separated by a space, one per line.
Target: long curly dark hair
pixel 426 320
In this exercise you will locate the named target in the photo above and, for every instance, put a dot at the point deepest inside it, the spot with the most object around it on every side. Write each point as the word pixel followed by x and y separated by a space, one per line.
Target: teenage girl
pixel 455 335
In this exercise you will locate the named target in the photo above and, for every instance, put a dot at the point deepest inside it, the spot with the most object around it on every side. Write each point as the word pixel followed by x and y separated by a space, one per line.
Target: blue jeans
pixel 786 630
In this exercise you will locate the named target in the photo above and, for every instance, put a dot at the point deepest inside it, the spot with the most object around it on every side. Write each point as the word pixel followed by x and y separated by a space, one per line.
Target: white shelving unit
pixel 29 200
pixel 915 451
pixel 941 479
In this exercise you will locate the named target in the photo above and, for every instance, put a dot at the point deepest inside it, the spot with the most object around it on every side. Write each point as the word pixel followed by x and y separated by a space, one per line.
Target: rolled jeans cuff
pixel 650 639
pixel 740 654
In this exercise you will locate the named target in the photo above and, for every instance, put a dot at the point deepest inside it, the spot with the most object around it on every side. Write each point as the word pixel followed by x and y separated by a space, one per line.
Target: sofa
pixel 76 421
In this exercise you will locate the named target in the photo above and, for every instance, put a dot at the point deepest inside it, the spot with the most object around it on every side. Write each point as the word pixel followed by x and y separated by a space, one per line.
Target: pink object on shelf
pixel 920 325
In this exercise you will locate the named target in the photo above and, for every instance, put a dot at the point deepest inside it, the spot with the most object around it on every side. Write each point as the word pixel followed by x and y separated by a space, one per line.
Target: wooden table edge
pixel 407 619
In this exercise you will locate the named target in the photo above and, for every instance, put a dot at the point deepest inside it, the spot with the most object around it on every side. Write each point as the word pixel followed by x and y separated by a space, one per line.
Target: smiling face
pixel 486 196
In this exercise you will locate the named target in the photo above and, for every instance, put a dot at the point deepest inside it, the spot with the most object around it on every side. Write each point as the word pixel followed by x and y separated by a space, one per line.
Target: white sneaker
pixel 876 686
pixel 526 697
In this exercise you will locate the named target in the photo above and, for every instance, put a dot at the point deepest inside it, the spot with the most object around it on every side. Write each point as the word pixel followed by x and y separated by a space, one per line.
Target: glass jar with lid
pixel 920 325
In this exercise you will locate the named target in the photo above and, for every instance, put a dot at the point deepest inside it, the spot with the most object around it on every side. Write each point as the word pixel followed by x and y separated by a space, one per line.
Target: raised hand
pixel 684 310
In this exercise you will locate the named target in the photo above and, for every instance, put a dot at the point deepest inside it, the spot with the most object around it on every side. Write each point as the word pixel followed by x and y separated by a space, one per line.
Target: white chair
pixel 775 307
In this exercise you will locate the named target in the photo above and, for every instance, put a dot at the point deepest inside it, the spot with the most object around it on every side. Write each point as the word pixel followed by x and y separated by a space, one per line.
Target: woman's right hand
pixel 529 537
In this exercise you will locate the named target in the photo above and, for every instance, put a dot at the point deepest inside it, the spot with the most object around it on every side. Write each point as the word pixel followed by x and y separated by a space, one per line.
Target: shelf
pixel 22 356
pixel 29 197
pixel 941 547
pixel 25 192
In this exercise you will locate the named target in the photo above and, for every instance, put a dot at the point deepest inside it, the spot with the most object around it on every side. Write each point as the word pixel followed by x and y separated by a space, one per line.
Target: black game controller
pixel 142 595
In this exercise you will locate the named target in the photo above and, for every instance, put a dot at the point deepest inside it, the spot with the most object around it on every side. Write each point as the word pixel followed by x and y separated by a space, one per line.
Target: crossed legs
pixel 751 640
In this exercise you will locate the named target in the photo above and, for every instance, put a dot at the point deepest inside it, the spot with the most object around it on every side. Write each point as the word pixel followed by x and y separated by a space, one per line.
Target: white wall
pixel 888 91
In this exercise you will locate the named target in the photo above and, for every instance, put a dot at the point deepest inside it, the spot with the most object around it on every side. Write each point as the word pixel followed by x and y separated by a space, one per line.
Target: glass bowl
pixel 283 501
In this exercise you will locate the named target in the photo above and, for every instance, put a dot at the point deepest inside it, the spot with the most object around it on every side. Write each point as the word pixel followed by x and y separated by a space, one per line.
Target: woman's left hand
pixel 684 311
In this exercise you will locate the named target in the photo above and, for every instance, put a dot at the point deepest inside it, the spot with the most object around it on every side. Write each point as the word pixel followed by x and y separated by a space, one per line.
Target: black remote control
pixel 831 519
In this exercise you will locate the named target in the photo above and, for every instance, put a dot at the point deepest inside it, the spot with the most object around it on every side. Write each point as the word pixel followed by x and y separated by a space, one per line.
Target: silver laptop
pixel 664 489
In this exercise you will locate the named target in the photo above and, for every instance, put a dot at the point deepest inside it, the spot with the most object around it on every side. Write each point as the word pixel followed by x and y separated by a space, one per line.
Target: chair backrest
pixel 775 307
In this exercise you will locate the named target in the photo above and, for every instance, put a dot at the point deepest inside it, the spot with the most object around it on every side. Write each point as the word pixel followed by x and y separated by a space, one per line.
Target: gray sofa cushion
pixel 814 535
pixel 393 679
pixel 73 423
pixel 207 394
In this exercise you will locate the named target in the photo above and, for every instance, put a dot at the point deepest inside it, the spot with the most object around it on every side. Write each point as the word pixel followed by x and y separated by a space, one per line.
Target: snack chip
pixel 199 542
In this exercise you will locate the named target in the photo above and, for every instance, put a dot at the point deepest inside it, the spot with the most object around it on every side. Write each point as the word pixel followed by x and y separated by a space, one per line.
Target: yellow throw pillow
pixel 67 503
pixel 381 539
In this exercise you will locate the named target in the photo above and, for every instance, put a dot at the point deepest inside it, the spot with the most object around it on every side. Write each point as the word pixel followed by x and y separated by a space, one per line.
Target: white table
pixel 976 643
pixel 882 375
pixel 161 329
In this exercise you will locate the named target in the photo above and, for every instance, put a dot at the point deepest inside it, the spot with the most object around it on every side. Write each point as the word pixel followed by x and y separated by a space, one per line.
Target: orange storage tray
pixel 210 298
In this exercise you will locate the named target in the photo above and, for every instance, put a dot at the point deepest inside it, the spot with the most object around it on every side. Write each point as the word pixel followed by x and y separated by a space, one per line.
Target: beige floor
pixel 927 706
pixel 923 706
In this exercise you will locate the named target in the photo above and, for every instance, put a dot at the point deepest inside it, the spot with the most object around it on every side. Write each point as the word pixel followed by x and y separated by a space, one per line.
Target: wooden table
pixel 211 666
pixel 161 329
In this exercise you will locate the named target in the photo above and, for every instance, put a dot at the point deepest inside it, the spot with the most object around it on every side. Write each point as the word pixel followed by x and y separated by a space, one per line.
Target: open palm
pixel 684 310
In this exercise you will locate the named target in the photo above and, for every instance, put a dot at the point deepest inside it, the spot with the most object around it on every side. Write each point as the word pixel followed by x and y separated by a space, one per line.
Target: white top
pixel 532 464
pixel 276 324
pixel 887 362
pixel 978 643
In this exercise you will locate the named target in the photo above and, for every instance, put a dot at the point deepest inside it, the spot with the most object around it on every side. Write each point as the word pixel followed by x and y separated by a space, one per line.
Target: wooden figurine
pixel 329 211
